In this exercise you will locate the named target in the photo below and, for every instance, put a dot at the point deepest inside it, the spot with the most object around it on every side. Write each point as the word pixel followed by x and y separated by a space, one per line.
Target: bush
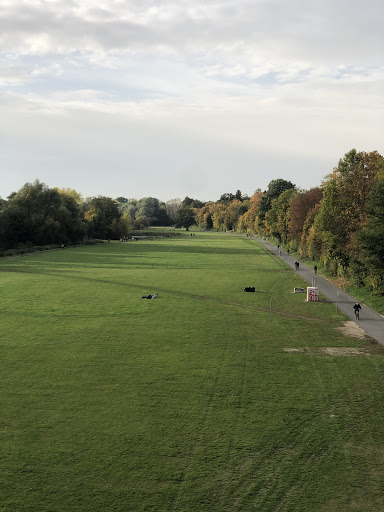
pixel 93 241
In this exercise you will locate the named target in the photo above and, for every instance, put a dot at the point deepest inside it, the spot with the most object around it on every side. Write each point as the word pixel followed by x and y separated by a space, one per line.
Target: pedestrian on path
pixel 315 269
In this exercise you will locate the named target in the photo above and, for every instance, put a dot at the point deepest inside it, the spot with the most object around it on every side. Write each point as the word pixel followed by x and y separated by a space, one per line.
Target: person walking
pixel 315 269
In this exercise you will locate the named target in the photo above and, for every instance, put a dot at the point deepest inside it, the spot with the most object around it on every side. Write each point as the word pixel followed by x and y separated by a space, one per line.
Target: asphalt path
pixel 370 321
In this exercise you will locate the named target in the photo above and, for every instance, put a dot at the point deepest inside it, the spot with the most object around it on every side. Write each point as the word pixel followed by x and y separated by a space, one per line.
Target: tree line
pixel 340 223
pixel 37 215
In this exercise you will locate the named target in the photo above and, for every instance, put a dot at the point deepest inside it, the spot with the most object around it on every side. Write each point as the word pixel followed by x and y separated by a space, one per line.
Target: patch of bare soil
pixel 330 351
pixel 350 328
pixel 344 351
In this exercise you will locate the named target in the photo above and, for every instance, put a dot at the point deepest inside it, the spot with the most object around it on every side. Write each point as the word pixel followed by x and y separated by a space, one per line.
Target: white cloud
pixel 173 85
pixel 13 76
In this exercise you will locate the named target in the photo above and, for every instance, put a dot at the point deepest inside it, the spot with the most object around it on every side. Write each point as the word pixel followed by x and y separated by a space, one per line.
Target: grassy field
pixel 200 400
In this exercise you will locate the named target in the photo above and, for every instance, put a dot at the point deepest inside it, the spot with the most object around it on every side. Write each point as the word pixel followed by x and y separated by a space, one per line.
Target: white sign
pixel 312 294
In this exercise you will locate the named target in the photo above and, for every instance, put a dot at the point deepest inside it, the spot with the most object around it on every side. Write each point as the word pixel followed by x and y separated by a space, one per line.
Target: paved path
pixel 370 321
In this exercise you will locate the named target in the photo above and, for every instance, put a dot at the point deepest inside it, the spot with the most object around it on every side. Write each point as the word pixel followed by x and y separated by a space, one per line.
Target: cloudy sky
pixel 169 98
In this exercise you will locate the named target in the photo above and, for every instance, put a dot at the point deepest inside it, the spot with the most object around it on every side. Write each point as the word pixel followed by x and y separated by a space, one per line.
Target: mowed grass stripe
pixel 187 402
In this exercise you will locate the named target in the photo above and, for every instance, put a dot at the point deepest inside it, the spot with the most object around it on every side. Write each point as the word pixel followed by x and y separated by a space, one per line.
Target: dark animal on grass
pixel 249 289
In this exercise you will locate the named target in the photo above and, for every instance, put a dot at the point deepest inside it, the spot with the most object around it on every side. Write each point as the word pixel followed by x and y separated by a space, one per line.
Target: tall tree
pixel 277 218
pixel 204 216
pixel 35 214
pixel 100 213
pixel 249 220
pixel 232 214
pixel 343 211
pixel 193 203
pixel 185 218
pixel 301 205
pixel 172 207
pixel 275 188
pixel 72 215
pixel 372 237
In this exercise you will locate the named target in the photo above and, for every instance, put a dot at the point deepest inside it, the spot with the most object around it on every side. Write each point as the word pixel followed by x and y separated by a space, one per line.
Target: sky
pixel 175 98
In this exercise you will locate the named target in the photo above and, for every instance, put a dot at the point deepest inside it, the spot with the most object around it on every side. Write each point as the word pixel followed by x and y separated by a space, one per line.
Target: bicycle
pixel 357 314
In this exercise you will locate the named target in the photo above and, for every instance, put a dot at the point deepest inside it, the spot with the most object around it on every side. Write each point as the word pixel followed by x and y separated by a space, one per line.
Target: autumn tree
pixel 343 211
pixel 249 220
pixel 218 216
pixel 232 214
pixel 310 240
pixel 301 205
pixel 275 188
pixel 204 216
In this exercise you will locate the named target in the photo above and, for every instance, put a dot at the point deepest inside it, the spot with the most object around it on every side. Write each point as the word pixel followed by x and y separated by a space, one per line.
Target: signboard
pixel 312 294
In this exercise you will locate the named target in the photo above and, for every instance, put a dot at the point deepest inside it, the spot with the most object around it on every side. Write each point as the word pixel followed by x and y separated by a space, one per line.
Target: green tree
pixel 275 188
pixel 100 213
pixel 172 207
pixel 185 218
pixel 72 217
pixel 35 214
pixel 141 222
pixel 343 211
pixel 372 238
pixel 277 218
pixel 121 200
pixel 193 203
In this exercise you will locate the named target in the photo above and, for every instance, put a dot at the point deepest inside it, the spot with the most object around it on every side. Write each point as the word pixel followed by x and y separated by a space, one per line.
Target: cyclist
pixel 357 309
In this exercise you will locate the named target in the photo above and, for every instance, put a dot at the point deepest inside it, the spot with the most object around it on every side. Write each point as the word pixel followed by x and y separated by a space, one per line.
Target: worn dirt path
pixel 370 321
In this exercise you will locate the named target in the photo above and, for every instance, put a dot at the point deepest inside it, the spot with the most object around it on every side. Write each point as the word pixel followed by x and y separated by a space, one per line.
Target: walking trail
pixel 370 321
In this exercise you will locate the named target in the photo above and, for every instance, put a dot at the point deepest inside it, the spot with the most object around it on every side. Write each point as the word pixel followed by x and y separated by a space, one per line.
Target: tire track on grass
pixel 269 483
pixel 200 435
pixel 235 429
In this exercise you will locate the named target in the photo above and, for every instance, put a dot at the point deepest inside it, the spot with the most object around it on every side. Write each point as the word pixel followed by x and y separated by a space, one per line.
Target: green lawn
pixel 186 403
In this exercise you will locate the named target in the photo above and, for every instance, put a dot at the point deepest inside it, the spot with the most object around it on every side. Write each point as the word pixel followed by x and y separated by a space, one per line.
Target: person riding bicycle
pixel 357 309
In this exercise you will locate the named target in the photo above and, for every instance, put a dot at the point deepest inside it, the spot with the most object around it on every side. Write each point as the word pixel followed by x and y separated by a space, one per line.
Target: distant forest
pixel 340 223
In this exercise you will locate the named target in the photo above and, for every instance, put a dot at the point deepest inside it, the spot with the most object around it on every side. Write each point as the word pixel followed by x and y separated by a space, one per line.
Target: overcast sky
pixel 168 98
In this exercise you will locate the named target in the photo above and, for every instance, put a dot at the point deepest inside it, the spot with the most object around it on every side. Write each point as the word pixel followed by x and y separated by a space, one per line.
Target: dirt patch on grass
pixel 344 351
pixel 350 328
pixel 330 351
pixel 296 350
